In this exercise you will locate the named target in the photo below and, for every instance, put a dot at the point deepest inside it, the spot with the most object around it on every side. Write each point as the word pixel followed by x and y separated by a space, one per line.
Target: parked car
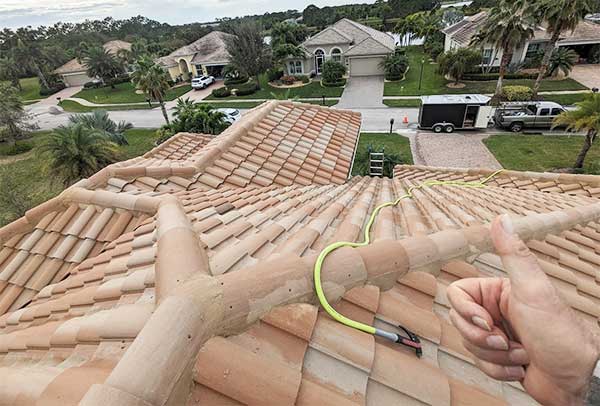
pixel 231 115
pixel 202 82
pixel 517 116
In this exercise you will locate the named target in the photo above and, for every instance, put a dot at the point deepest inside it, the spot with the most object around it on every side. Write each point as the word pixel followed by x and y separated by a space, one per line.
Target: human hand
pixel 520 329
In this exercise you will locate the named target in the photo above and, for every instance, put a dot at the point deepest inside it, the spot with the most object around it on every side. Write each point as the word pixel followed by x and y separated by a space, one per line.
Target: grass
pixel 434 83
pixel 393 144
pixel 125 93
pixel 252 104
pixel 74 107
pixel 566 99
pixel 403 103
pixel 30 172
pixel 541 153
pixel 313 89
pixel 30 89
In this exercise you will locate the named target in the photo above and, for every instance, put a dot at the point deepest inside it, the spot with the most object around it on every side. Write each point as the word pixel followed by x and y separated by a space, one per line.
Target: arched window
pixel 319 59
pixel 336 54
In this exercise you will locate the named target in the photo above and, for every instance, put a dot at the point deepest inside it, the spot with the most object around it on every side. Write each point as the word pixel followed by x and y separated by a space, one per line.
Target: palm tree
pixel 395 65
pixel 198 118
pixel 561 16
pixel 100 121
pixel 28 55
pixel 508 25
pixel 101 63
pixel 15 122
pixel 563 60
pixel 585 118
pixel 153 80
pixel 458 62
pixel 75 152
pixel 10 71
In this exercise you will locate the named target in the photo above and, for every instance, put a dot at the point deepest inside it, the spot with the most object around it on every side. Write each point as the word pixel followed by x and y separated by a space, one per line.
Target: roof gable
pixel 74 66
pixel 368 46
pixel 328 36
pixel 210 47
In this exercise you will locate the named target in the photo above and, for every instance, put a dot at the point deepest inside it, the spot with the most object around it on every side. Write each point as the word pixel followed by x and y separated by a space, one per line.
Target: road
pixel 376 119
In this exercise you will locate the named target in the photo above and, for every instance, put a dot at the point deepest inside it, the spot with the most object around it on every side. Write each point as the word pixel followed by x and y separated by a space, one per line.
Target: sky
pixel 17 13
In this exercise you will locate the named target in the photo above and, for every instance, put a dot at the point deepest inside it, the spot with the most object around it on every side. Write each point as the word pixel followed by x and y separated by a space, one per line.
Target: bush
pixel 274 74
pixel 339 83
pixel 517 93
pixel 18 148
pixel 594 56
pixel 221 92
pixel 458 62
pixel 303 78
pixel 488 77
pixel 44 91
pixel 333 72
pixel 246 89
pixel 92 85
pixel 288 79
pixel 163 133
pixel 395 65
pixel 119 79
pixel 236 81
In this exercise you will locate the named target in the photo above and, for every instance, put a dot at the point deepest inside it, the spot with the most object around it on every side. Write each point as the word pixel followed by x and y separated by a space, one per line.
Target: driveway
pixel 362 92
pixel 196 95
pixel 454 150
pixel 587 75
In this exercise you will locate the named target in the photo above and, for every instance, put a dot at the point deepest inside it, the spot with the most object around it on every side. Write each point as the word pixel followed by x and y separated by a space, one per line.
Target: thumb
pixel 529 283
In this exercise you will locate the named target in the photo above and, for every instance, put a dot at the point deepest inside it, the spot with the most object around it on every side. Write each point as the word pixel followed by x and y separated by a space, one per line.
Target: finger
pixel 528 282
pixel 477 299
pixel 515 356
pixel 491 340
pixel 500 372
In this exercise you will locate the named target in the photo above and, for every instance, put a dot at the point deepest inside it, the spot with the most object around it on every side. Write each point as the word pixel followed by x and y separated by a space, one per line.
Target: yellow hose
pixel 367 239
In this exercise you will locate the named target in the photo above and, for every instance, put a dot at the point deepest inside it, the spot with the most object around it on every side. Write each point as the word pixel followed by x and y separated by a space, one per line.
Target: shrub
pixel 246 89
pixel 303 78
pixel 92 85
pixel 164 133
pixel 44 91
pixel 221 92
pixel 594 55
pixel 458 62
pixel 18 148
pixel 517 93
pixel 333 72
pixel 236 81
pixel 119 79
pixel 395 65
pixel 274 74
pixel 494 76
pixel 288 79
pixel 339 83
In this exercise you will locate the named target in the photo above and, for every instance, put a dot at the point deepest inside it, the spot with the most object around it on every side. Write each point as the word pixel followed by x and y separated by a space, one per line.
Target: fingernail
pixel 507 224
pixel 516 373
pixel 497 343
pixel 518 356
pixel 480 322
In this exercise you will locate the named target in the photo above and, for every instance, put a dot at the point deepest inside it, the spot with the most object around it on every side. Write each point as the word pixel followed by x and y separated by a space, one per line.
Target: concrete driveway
pixel 362 92
pixel 587 75
pixel 196 95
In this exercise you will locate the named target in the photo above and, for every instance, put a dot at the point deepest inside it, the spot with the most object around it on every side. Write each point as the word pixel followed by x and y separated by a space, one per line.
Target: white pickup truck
pixel 202 82
pixel 517 116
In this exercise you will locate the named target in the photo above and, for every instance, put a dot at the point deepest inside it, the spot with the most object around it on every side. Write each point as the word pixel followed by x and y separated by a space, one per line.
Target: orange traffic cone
pixel 405 121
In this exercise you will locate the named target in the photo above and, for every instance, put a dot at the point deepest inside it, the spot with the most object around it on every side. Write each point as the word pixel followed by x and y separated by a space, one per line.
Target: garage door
pixel 77 79
pixel 365 66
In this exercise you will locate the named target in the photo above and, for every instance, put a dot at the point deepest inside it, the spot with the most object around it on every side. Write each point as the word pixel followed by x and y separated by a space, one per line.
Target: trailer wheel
pixel 449 128
pixel 516 127
pixel 438 128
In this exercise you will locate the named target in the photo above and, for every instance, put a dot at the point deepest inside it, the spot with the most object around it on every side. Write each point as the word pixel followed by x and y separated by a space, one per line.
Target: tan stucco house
pixel 359 47
pixel 206 56
pixel 74 73
pixel 582 39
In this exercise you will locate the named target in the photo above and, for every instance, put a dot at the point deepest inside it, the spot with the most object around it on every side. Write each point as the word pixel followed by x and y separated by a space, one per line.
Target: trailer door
pixel 483 118
pixel 470 116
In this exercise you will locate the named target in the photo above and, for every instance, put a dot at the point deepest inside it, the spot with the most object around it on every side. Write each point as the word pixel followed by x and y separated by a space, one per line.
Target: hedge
pixel 303 78
pixel 494 76
pixel 44 91
pixel 339 83
pixel 246 89
pixel 221 92
pixel 517 93
pixel 236 81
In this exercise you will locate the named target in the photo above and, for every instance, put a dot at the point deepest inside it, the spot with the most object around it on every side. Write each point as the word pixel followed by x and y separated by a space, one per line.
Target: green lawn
pixel 30 174
pixel 31 89
pixel 313 89
pixel 566 99
pixel 252 104
pixel 434 83
pixel 125 93
pixel 403 103
pixel 74 107
pixel 541 153
pixel 391 144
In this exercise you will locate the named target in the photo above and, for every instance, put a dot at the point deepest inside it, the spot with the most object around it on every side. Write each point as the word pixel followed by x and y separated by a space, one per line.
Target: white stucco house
pixel 359 47
pixel 206 56
pixel 74 73
pixel 582 39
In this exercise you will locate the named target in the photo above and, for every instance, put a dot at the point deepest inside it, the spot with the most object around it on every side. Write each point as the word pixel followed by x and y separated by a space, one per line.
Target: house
pixel 582 39
pixel 74 73
pixel 360 48
pixel 206 56
pixel 184 276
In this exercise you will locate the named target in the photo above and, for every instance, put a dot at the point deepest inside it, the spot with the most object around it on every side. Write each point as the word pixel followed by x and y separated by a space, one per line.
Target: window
pixel 295 67
pixel 487 56
pixel 533 50
pixel 556 112
pixel 544 112
pixel 336 55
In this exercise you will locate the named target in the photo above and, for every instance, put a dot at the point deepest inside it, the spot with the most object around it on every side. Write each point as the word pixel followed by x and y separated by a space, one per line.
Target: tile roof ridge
pixel 560 177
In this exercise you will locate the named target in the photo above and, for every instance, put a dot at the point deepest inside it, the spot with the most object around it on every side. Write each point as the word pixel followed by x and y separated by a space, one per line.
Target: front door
pixel 319 63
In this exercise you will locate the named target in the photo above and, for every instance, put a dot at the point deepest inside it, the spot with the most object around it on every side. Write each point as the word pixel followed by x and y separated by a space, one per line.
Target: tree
pixel 249 53
pixel 10 71
pixel 101 63
pixel 585 118
pixel 562 60
pixel 560 16
pixel 508 26
pixel 286 33
pixel 100 121
pixel 28 55
pixel 197 118
pixel 153 80
pixel 14 120
pixel 75 152
pixel 456 63
pixel 333 72
pixel 395 65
